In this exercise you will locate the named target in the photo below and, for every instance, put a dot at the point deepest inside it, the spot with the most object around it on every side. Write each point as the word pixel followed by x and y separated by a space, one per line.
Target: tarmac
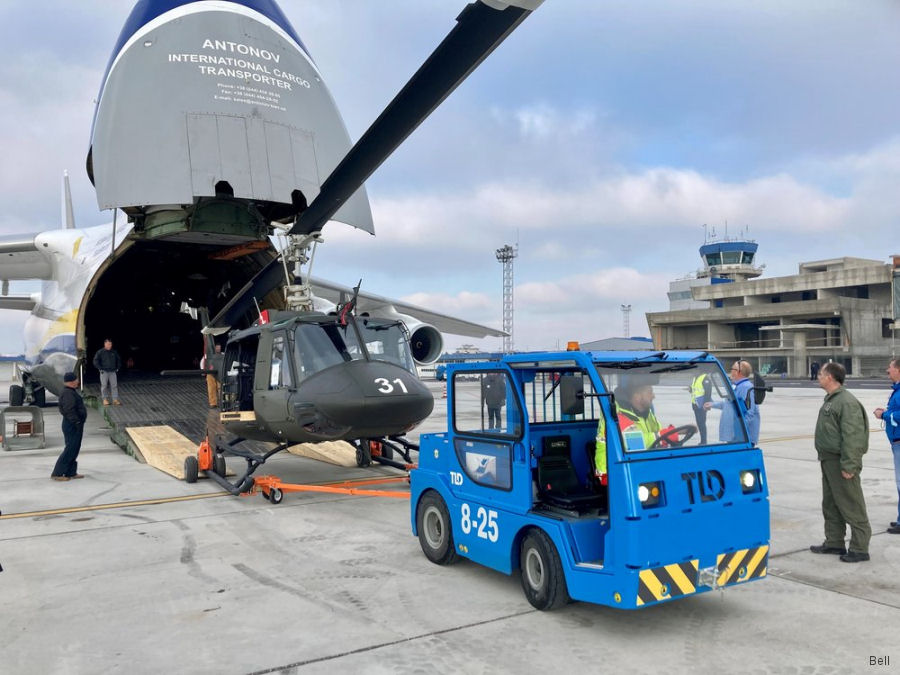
pixel 130 570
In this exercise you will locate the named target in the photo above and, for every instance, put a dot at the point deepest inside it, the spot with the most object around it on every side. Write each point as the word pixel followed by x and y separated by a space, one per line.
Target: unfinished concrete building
pixel 842 310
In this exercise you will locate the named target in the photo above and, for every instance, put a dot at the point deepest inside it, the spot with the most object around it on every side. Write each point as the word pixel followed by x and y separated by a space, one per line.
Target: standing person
pixel 108 362
pixel 743 393
pixel 214 362
pixel 842 438
pixel 814 370
pixel 493 389
pixel 891 418
pixel 701 393
pixel 74 414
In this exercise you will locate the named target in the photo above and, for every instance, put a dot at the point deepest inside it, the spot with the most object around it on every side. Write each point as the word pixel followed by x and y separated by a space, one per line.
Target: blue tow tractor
pixel 592 473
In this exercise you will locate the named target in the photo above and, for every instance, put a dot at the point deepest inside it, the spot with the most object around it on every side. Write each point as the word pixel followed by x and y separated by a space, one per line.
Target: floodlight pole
pixel 626 320
pixel 505 256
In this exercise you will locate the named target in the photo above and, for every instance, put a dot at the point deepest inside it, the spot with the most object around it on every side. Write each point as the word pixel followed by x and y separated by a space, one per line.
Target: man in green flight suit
pixel 842 438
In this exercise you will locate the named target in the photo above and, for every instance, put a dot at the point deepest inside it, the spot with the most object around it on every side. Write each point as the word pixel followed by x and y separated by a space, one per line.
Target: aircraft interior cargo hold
pixel 146 302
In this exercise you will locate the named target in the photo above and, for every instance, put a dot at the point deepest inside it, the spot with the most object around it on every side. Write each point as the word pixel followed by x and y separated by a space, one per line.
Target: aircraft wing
pixel 21 258
pixel 369 302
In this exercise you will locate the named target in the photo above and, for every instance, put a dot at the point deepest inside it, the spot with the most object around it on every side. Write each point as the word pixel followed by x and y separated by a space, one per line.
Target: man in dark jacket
pixel 842 438
pixel 74 414
pixel 107 361
pixel 493 391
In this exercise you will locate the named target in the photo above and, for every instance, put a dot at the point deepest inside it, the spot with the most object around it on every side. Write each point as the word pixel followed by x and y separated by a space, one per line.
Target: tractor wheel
pixel 435 529
pixel 543 579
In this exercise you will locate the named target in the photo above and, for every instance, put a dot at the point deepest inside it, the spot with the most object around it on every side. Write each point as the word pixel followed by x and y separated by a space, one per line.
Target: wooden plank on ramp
pixel 164 448
pixel 340 453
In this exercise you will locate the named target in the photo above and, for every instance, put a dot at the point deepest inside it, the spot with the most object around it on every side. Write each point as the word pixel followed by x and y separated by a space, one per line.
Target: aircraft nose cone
pixel 373 398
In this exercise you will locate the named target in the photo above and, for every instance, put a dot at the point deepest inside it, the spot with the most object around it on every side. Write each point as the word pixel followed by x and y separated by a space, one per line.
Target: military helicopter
pixel 310 376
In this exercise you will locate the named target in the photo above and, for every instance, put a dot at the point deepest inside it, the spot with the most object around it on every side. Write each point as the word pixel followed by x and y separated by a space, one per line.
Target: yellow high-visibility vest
pixel 648 426
pixel 697 387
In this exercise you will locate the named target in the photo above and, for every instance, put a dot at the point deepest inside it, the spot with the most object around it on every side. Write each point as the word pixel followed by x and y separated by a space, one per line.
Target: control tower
pixel 725 260
pixel 730 259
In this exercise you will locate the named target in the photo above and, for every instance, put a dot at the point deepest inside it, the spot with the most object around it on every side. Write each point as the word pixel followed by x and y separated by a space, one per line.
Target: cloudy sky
pixel 600 137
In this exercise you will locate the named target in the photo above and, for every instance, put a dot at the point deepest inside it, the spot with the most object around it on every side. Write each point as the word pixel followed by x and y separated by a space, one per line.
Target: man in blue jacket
pixel 891 418
pixel 729 423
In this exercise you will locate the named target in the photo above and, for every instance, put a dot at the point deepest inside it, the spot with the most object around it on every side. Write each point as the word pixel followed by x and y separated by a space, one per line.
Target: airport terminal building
pixel 840 310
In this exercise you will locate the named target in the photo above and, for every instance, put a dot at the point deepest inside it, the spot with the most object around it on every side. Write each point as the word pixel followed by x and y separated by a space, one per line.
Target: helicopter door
pixel 273 393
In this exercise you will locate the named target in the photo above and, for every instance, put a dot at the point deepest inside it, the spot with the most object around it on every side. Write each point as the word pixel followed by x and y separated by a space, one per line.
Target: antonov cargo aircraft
pixel 214 135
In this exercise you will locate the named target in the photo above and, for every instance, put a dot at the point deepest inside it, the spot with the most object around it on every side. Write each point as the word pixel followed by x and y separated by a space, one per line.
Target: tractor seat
pixel 558 482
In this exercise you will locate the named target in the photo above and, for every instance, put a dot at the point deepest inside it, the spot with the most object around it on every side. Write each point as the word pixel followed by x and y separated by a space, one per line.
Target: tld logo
pixel 709 485
pixel 456 478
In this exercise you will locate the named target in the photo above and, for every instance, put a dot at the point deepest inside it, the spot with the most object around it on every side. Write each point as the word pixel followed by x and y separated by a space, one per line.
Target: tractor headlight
pixel 750 481
pixel 649 494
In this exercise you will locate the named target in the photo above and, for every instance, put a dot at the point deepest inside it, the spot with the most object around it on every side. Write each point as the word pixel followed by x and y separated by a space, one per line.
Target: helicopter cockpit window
pixel 387 341
pixel 280 372
pixel 322 345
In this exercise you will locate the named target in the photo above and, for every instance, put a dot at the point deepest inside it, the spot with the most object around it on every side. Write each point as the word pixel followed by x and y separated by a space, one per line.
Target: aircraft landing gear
pixel 210 458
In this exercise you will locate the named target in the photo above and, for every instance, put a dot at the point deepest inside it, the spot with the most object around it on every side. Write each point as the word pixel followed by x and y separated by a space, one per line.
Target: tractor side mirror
pixel 571 394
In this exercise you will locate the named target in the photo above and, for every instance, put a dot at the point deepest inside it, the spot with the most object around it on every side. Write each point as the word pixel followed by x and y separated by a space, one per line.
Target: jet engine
pixel 425 341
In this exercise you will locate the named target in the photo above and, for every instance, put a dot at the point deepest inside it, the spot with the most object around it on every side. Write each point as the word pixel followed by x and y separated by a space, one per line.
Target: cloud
pixel 544 122
pixel 656 198
pixel 463 302
pixel 579 291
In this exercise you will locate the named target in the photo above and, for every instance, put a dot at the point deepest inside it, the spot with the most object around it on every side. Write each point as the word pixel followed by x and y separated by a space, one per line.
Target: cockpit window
pixel 280 369
pixel 387 341
pixel 319 346
pixel 671 405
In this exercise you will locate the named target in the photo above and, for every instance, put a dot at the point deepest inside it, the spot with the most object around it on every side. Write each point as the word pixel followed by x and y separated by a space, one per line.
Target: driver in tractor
pixel 637 422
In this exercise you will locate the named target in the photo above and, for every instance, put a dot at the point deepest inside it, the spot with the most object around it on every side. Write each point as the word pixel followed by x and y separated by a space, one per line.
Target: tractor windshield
pixel 667 405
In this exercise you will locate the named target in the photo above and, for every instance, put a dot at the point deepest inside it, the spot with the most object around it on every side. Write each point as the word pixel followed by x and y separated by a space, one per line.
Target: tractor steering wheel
pixel 674 436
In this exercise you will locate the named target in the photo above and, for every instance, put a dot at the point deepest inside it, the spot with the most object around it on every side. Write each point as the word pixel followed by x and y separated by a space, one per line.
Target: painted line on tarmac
pixel 167 500
pixel 115 505
pixel 778 439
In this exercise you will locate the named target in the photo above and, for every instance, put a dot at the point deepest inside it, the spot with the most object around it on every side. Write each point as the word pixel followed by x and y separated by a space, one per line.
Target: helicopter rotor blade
pixel 480 28
pixel 266 280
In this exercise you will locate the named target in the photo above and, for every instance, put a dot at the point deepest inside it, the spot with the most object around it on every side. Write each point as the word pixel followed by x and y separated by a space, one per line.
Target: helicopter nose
pixel 372 398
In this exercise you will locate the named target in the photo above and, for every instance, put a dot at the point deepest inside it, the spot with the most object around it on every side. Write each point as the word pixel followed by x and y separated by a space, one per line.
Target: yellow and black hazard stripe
pixel 743 565
pixel 665 583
